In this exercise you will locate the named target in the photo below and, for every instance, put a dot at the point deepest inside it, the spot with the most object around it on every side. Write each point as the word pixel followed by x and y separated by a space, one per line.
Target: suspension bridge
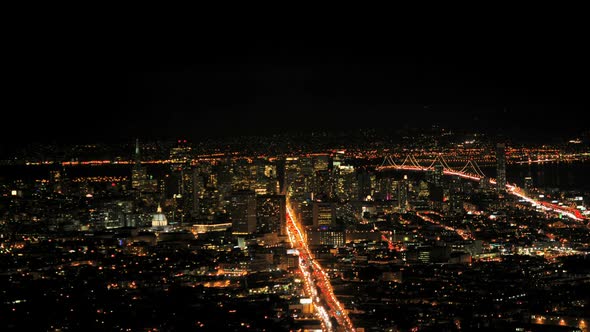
pixel 472 171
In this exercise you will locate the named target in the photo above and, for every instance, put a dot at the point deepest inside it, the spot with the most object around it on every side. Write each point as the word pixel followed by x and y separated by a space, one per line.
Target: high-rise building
pixel 263 177
pixel 139 177
pixel 180 165
pixel 456 204
pixel 326 236
pixel 187 189
pixel 221 178
pixel 364 184
pixel 305 213
pixel 323 213
pixel 299 177
pixel 438 175
pixel 528 185
pixel 113 214
pixel 209 203
pixel 337 160
pixel 181 154
pixel 270 214
pixel 55 180
pixel 291 171
pixel 345 182
pixel 321 162
pixel 243 211
pixel 402 194
pixel 322 183
pixel 385 187
pixel 138 173
pixel 501 167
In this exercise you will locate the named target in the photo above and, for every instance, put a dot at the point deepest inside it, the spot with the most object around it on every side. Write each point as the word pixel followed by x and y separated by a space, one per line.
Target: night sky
pixel 246 85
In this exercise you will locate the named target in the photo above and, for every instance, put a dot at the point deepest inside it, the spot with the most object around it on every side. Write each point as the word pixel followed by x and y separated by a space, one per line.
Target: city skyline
pixel 328 184
pixel 302 238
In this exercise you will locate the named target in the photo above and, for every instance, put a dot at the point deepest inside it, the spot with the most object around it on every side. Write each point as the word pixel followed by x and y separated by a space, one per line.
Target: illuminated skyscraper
pixel 402 194
pixel 270 213
pixel 501 167
pixel 243 212
pixel 55 180
pixel 138 173
pixel 364 184
pixel 332 236
pixel 181 154
pixel 322 183
pixel 321 162
pixel 198 189
pixel 438 175
pixel 323 213
pixel 345 183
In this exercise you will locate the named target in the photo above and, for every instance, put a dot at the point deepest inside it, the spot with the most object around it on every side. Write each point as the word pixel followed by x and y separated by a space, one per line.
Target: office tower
pixel 190 188
pixel 364 184
pixel 327 236
pixel 270 214
pixel 322 183
pixel 323 213
pixel 402 194
pixel 321 163
pixel 139 177
pixel 198 189
pixel 55 181
pixel 345 183
pixel 243 211
pixel 305 213
pixel 337 160
pixel 181 177
pixel 181 154
pixel 291 170
pixel 438 175
pixel 501 167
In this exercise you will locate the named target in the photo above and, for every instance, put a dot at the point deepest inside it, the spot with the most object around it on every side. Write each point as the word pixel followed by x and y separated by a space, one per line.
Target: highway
pixel 317 282
pixel 571 213
pixel 465 235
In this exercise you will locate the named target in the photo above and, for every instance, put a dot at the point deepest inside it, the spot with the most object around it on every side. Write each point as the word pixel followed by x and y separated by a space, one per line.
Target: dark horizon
pixel 234 87
pixel 521 125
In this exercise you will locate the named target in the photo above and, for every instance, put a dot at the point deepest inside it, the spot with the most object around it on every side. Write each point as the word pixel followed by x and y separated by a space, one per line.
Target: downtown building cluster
pixel 175 245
